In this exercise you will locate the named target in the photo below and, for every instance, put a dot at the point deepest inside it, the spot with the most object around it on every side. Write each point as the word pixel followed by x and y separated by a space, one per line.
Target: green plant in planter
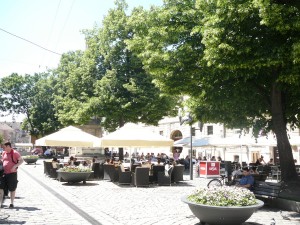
pixel 223 196
pixel 75 169
pixel 30 157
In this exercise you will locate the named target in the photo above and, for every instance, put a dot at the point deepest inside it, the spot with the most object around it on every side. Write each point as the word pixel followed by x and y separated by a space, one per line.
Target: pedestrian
pixel 11 161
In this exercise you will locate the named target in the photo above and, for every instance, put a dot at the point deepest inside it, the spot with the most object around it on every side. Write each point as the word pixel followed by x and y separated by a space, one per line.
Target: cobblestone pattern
pixel 108 203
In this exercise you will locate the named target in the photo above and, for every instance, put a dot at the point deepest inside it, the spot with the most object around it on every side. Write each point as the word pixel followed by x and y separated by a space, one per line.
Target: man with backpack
pixel 11 160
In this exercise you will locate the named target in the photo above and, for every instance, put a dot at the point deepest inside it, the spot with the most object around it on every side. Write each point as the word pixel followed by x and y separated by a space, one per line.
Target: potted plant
pixel 72 174
pixel 222 205
pixel 30 159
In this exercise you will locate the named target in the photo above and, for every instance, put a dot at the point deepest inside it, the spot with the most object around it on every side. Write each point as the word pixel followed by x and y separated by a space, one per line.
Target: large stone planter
pixel 222 215
pixel 30 160
pixel 73 177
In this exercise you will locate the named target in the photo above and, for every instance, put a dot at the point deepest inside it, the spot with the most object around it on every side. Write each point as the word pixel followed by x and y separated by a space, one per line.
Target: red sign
pixel 209 168
pixel 213 168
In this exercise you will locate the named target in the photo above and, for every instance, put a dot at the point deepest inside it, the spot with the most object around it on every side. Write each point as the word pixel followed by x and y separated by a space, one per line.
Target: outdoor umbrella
pixel 182 142
pixel 132 135
pixel 70 137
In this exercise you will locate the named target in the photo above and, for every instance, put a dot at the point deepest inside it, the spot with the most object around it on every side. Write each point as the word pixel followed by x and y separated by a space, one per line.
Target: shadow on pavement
pixel 80 184
pixel 26 208
pixel 12 222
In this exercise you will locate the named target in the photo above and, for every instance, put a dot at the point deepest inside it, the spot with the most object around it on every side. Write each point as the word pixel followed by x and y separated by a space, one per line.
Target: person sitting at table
pixel 126 155
pixel 55 163
pixel 254 170
pixel 71 161
pixel 76 163
pixel 158 161
pixel 147 164
pixel 237 172
pixel 271 162
pixel 260 161
pixel 142 156
pixel 247 180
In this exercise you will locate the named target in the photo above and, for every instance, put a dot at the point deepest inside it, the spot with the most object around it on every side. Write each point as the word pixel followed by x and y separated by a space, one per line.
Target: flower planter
pixel 221 215
pixel 30 160
pixel 73 177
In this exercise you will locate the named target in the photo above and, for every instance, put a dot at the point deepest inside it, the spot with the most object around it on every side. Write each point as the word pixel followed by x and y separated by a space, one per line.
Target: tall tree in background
pixel 42 112
pixel 108 80
pixel 238 60
pixel 26 95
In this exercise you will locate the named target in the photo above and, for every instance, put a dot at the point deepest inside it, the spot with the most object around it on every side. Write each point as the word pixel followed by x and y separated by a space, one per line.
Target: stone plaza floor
pixel 42 200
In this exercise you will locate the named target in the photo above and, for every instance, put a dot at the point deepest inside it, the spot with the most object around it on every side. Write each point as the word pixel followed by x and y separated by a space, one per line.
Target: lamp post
pixel 188 119
pixel 191 151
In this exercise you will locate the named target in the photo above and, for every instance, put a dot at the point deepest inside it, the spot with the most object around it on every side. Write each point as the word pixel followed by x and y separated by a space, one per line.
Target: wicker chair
pixel 141 176
pixel 164 179
pixel 156 169
pixel 111 172
pixel 177 173
pixel 124 176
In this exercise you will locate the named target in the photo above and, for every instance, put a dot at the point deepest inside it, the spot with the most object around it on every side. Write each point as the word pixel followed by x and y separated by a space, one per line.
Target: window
pixel 161 133
pixel 210 130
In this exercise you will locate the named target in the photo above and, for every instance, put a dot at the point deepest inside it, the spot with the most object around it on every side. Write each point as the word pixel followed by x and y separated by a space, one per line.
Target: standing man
pixel 11 160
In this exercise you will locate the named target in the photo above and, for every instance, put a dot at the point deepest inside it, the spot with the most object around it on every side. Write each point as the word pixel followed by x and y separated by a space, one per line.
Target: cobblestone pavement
pixel 42 200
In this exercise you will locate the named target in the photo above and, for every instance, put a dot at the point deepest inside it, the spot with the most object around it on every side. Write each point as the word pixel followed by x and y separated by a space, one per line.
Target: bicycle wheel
pixel 214 182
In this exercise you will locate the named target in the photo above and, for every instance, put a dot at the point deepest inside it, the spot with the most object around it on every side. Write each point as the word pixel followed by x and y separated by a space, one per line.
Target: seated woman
pixel 55 163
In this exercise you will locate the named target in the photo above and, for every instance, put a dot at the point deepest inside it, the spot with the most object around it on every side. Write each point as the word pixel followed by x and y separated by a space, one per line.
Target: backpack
pixel 12 157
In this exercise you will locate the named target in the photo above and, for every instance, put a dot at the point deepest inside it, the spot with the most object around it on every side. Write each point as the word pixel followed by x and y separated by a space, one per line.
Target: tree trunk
pixel 287 165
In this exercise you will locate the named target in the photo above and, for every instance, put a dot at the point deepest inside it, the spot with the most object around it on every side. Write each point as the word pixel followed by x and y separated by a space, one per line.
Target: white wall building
pixel 171 128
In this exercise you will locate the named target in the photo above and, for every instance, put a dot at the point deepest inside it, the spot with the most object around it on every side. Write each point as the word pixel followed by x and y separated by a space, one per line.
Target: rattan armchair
pixel 177 173
pixel 124 176
pixel 141 176
pixel 164 179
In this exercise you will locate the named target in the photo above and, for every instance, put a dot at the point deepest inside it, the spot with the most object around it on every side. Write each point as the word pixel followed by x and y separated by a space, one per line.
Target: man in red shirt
pixel 11 160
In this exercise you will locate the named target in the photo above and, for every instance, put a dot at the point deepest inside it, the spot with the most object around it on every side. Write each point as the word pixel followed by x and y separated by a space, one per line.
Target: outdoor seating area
pixel 138 175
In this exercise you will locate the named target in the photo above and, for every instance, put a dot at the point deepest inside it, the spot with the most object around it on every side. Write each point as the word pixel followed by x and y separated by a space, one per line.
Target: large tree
pixel 238 60
pixel 108 80
pixel 31 96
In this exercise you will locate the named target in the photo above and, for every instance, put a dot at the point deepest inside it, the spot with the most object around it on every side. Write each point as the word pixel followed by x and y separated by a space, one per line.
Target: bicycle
pixel 222 180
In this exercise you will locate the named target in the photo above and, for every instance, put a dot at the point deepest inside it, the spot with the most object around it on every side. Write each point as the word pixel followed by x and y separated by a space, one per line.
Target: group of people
pixel 9 163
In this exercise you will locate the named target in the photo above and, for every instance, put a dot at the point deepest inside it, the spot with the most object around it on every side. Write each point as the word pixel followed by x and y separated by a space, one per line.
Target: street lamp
pixel 188 119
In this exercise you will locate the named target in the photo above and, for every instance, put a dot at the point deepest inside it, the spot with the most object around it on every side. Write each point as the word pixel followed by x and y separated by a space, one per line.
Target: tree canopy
pixel 237 60
pixel 30 95
pixel 108 80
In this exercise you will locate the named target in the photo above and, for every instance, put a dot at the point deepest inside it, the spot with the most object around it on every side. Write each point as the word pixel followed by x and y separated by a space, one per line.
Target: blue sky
pixel 52 24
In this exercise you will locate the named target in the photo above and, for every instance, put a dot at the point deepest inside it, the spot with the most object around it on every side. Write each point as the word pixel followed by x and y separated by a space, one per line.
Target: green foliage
pixel 1 139
pixel 108 80
pixel 238 61
pixel 75 169
pixel 29 95
pixel 223 196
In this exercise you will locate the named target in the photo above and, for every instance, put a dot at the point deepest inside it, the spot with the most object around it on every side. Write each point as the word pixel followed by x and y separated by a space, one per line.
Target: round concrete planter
pixel 30 160
pixel 222 215
pixel 73 177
